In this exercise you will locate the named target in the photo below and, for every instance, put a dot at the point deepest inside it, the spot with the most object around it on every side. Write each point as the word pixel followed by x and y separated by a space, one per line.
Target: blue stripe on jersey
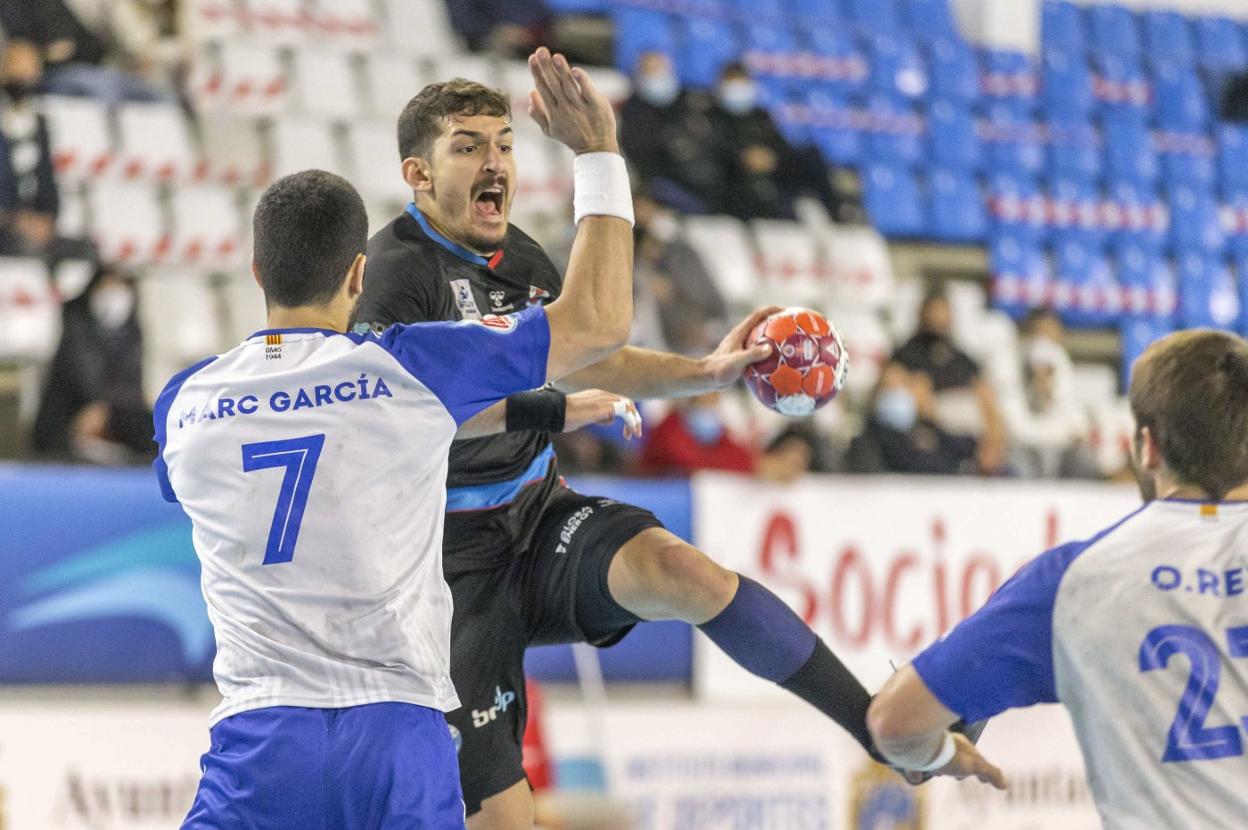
pixel 458 250
pixel 498 493
pixel 1001 657
pixel 160 417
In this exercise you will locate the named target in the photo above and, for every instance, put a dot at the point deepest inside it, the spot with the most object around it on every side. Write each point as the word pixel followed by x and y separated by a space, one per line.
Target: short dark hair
pixel 1191 390
pixel 308 227
pixel 420 123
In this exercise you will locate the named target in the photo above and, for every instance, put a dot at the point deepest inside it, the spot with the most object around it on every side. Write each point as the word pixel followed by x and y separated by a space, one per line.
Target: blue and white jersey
pixel 313 467
pixel 1142 632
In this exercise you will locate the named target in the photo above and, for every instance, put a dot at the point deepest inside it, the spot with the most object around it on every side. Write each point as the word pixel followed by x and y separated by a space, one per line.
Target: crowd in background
pixel 691 152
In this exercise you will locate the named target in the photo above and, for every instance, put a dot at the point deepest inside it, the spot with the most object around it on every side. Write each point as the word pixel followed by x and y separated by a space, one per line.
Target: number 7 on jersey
pixel 299 457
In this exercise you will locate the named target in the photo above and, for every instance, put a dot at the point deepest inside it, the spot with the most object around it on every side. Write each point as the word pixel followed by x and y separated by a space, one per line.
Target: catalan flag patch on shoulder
pixel 272 340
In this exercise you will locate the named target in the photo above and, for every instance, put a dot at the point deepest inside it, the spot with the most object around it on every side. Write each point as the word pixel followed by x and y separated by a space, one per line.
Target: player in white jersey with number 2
pixel 1141 631
pixel 313 465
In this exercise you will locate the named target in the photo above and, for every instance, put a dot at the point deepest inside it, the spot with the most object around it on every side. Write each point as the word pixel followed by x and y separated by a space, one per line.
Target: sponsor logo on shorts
pixel 502 700
pixel 571 526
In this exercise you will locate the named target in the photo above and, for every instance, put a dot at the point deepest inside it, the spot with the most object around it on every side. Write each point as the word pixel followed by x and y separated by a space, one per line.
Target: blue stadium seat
pixel 1182 104
pixel 834 130
pixel 1075 211
pixel 1168 38
pixel 1220 44
pixel 1195 224
pixel 1062 27
pixel 875 15
pixel 1147 280
pixel 764 12
pixel 1087 292
pixel 1191 161
pixel 957 207
pixel 706 47
pixel 1208 296
pixel 1137 334
pixel 896 133
pixel 1012 146
pixel 1138 214
pixel 894 202
pixel 955 142
pixel 929 19
pixel 1075 150
pixel 1113 31
pixel 1066 85
pixel 580 6
pixel 1009 79
pixel 794 126
pixel 818 13
pixel 1120 83
pixel 1129 150
pixel 1016 206
pixel 953 70
pixel 848 64
pixel 1022 276
pixel 638 31
pixel 897 68
pixel 770 38
pixel 1233 158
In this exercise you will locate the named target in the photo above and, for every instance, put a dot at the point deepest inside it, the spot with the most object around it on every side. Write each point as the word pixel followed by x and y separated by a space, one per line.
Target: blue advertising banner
pixel 99 583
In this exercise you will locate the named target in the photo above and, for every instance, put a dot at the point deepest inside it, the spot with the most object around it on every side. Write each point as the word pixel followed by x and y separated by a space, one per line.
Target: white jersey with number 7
pixel 1142 632
pixel 313 467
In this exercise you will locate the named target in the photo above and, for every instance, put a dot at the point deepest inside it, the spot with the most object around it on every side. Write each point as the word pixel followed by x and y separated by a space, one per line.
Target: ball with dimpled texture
pixel 807 364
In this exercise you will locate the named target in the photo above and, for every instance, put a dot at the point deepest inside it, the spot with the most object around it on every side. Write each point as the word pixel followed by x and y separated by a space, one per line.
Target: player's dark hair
pixel 308 228
pixel 1191 390
pixel 421 121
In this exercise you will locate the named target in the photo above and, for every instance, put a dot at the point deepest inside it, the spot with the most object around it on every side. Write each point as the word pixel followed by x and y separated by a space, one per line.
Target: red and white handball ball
pixel 807 364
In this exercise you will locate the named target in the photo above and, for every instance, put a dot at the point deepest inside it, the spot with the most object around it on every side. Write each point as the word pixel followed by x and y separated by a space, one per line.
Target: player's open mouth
pixel 489 203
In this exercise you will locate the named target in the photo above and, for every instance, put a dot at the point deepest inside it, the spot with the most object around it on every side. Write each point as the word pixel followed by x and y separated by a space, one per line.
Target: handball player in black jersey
pixel 530 561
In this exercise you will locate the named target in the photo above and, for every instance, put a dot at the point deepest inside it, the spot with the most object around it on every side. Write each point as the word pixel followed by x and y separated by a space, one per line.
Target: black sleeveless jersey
pixel 496 486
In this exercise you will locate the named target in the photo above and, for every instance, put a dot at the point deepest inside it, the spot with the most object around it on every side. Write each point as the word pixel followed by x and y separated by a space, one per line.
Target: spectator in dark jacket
pixel 28 197
pixel 510 28
pixel 93 407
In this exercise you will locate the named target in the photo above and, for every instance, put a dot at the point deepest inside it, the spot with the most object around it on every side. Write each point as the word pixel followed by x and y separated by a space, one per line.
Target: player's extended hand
pixel 968 763
pixel 724 366
pixel 568 107
pixel 594 406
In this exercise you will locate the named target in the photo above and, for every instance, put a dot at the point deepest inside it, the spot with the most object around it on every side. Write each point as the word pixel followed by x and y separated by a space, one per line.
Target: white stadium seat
pixel 392 81
pixel 279 21
pixel 30 311
pixel 420 27
pixel 205 228
pixel 791 263
pixel 128 223
pixel 81 137
pixel 71 219
pixel 869 347
pixel 181 322
pixel 347 23
pixel 375 161
pixel 859 268
pixel 1095 384
pixel 243 77
pixel 155 142
pixel 724 245
pixel 479 68
pixel 324 84
pixel 299 144
pixel 212 19
pixel 233 150
pixel 245 312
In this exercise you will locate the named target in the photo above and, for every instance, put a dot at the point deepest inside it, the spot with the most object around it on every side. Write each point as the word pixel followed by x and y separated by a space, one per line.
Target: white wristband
pixel 601 187
pixel 947 750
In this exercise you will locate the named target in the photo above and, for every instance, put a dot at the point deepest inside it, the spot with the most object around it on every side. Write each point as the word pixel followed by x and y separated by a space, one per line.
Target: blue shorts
pixel 384 766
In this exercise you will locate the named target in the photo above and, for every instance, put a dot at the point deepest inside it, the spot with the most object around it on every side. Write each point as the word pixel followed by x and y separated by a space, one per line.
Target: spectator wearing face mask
pixel 93 407
pixel 902 435
pixel 28 196
pixel 694 437
pixel 965 404
pixel 666 135
pixel 766 174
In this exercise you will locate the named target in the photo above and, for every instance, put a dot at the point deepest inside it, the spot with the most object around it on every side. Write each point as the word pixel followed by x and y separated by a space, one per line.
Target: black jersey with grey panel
pixel 497 486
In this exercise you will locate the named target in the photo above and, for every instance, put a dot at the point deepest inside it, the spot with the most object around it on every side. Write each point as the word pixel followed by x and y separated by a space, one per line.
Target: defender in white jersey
pixel 313 465
pixel 1141 631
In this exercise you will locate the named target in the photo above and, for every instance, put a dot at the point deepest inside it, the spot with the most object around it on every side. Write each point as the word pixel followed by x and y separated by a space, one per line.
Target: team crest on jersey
pixel 464 300
pixel 538 296
pixel 500 324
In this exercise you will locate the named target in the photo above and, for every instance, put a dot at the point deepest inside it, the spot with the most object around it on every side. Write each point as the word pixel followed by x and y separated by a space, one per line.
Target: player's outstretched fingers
pixel 742 329
pixel 540 68
pixel 563 75
pixel 537 111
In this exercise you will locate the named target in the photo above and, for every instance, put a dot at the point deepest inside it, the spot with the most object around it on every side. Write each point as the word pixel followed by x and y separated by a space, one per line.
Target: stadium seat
pixel 929 19
pixel 71 218
pixel 419 27
pixel 244 304
pixel 586 7
pixel 869 347
pixel 211 20
pixel 1136 334
pixel 1233 157
pixel 324 84
pixel 895 132
pixel 1220 44
pixel 1120 83
pixel 30 311
pixel 1188 158
pixel 835 128
pixel 860 270
pixel 638 31
pixel 1134 213
pixel 874 15
pixel 1066 85
pixel 1062 27
pixel 1147 280
pixel 790 263
pixel 206 227
pixel 1129 151
pixel 300 144
pixel 897 69
pixel 1112 30
pixel 956 208
pixel 348 23
pixel 155 142
pixel 1016 206
pixel 893 201
pixel 1195 225
pixel 1182 104
pixel 1075 150
pixel 484 69
pixel 178 310
pixel 705 47
pixel 392 81
pixel 1075 210
pixel 1086 292
pixel 541 182
pixel 233 151
pixel 80 135
pixel 1012 147
pixel 838 61
pixel 375 161
pixel 242 77
pixel 1022 276
pixel 128 223
pixel 1168 38
pixel 954 73
pixel 724 244
pixel 1208 296
pixel 822 13
pixel 284 22
pixel 1009 79
pixel 955 141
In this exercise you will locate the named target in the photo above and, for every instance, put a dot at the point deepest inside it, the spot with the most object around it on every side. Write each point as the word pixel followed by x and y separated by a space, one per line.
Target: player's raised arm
pixel 592 317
